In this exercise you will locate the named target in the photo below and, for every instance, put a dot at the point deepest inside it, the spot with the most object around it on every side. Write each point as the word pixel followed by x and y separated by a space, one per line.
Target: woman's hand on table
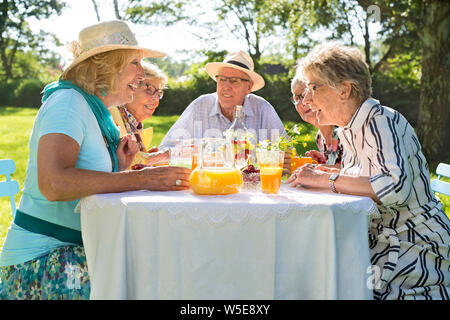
pixel 126 150
pixel 309 177
pixel 329 168
pixel 166 178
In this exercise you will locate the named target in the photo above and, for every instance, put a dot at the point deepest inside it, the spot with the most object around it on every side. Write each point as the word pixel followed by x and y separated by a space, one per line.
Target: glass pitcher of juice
pixel 215 173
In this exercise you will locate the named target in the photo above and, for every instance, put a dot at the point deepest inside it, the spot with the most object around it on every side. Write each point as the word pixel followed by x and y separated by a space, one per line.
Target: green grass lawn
pixel 15 129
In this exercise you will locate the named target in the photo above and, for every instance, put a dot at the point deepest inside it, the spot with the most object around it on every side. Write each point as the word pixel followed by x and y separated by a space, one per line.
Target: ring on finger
pixel 178 182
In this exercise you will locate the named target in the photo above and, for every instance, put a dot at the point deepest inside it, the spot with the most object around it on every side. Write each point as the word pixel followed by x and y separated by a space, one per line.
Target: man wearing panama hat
pixel 211 114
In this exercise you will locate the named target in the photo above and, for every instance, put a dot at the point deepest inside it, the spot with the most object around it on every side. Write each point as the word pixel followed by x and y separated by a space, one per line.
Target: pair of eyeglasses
pixel 296 99
pixel 312 87
pixel 234 81
pixel 151 90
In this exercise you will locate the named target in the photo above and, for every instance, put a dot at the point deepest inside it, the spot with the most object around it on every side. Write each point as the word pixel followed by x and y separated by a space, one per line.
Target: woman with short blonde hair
pixel 410 239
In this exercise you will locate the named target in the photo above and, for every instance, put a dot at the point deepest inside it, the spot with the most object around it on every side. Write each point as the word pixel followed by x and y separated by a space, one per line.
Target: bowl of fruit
pixel 251 178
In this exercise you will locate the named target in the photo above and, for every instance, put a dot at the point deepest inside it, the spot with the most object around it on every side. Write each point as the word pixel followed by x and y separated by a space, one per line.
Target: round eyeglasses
pixel 151 90
pixel 296 99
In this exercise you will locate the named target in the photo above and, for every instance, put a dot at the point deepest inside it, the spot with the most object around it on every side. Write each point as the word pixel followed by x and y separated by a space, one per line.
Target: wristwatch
pixel 333 177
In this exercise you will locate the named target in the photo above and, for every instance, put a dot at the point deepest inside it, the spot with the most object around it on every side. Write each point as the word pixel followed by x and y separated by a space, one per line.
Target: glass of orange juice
pixel 271 169
pixel 299 161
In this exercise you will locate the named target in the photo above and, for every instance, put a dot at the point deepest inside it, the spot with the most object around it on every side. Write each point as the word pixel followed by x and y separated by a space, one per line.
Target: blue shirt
pixel 66 112
pixel 203 118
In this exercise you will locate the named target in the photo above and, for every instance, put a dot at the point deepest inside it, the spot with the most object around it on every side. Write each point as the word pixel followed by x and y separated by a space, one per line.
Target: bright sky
pixel 81 14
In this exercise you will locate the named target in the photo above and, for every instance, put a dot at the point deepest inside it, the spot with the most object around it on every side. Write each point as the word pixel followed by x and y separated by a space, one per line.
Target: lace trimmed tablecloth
pixel 177 245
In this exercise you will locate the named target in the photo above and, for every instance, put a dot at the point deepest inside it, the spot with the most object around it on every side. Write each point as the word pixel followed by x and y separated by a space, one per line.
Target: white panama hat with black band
pixel 240 61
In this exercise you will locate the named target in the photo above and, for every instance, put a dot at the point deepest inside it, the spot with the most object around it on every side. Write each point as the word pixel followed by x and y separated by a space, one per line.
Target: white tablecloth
pixel 177 245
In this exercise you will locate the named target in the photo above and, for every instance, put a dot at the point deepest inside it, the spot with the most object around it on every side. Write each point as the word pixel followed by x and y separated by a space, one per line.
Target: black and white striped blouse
pixel 381 144
pixel 410 241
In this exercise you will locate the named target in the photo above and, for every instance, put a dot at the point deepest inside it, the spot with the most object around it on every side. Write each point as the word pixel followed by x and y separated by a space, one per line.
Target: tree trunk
pixel 433 123
pixel 116 10
pixel 96 9
pixel 367 42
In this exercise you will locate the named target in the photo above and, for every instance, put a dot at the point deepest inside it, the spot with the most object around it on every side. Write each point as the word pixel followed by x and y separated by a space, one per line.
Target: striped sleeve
pixel 392 177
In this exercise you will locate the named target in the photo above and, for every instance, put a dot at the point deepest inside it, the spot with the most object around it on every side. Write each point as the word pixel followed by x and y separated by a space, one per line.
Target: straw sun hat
pixel 237 60
pixel 103 37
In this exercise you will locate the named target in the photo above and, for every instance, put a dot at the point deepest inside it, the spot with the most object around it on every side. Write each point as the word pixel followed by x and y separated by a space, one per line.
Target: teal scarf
pixel 109 130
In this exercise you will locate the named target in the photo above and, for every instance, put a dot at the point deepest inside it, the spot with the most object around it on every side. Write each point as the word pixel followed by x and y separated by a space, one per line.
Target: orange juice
pixel 298 162
pixel 216 180
pixel 194 161
pixel 270 179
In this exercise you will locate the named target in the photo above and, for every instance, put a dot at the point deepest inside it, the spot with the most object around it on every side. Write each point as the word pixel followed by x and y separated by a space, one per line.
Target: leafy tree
pixel 425 25
pixel 17 37
pixel 160 12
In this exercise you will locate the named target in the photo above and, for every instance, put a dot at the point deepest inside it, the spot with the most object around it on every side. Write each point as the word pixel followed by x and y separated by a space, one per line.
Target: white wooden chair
pixel 440 186
pixel 9 187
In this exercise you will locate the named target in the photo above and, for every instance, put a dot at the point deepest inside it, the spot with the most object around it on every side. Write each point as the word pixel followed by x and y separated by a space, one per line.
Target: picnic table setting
pixel 223 200
pixel 240 232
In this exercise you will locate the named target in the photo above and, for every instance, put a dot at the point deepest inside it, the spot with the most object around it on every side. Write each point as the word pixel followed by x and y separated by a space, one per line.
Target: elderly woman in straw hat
pixel 76 151
pixel 383 160
pixel 129 117
pixel 211 114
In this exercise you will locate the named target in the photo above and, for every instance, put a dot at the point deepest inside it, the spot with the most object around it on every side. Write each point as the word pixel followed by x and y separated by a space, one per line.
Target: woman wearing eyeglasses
pixel 409 239
pixel 327 140
pixel 146 99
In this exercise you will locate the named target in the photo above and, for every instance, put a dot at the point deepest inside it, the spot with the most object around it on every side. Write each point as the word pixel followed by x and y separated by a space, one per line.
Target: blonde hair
pixel 100 71
pixel 151 71
pixel 335 63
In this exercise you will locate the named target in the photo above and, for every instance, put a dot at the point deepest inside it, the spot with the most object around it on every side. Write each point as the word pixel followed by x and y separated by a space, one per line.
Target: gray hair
pixel 152 71
pixel 297 81
pixel 335 63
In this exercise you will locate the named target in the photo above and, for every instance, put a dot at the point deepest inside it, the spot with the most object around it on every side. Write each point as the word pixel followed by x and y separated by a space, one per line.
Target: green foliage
pixel 19 45
pixel 156 12
pixel 28 93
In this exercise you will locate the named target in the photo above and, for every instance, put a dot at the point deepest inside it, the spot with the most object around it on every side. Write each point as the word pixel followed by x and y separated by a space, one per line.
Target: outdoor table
pixel 297 244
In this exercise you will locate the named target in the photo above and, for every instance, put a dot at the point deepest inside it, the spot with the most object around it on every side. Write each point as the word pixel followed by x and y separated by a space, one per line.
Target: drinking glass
pixel 181 155
pixel 271 169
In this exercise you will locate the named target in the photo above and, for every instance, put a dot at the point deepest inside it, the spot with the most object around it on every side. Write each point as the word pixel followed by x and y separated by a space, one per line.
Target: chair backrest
pixel 9 187
pixel 437 185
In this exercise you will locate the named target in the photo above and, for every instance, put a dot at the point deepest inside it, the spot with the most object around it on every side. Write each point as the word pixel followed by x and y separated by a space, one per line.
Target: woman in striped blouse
pixel 383 160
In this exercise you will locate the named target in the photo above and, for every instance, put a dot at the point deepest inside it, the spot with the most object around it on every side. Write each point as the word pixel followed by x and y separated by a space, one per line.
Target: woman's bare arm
pixel 59 180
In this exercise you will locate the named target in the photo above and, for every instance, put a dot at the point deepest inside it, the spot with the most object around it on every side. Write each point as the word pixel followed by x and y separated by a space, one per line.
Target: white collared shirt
pixel 203 118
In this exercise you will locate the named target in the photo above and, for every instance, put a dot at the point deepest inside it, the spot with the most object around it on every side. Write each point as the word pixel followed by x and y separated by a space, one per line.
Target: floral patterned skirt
pixel 60 275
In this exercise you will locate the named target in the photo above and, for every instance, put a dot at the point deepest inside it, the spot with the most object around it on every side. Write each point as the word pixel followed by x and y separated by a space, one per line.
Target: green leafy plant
pixel 285 143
